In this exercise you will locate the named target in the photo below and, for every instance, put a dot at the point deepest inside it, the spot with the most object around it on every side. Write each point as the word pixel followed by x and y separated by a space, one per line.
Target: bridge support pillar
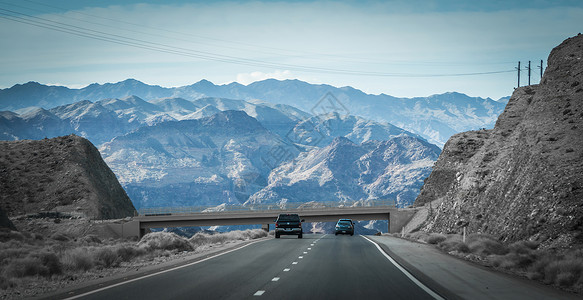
pixel 265 227
pixel 398 220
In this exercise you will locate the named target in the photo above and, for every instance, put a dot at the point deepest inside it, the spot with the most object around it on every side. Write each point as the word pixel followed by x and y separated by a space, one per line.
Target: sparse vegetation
pixel 561 269
pixel 26 258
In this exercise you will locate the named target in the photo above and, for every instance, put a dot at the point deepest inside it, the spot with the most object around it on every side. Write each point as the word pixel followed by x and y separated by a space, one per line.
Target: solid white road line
pixel 158 273
pixel 409 275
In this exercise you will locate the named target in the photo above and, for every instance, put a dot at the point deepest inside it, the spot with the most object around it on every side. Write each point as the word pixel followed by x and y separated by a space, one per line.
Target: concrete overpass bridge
pixel 261 214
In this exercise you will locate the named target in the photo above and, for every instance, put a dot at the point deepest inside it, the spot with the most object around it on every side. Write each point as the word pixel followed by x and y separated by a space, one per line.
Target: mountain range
pixel 207 145
pixel 208 161
pixel 435 118
pixel 346 172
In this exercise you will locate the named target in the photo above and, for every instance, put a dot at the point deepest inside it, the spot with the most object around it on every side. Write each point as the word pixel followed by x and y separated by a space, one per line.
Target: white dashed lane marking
pixel 275 279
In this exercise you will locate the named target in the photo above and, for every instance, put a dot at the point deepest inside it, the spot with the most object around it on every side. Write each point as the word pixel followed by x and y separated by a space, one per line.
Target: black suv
pixel 288 224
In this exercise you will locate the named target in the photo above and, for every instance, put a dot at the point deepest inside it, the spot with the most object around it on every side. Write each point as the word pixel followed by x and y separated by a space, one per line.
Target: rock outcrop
pixel 5 222
pixel 61 175
pixel 524 178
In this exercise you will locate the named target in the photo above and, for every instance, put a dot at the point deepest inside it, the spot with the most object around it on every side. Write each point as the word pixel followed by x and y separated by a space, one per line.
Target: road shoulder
pixel 454 278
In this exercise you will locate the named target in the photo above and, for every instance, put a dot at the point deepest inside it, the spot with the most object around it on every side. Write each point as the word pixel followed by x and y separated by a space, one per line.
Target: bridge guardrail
pixel 263 207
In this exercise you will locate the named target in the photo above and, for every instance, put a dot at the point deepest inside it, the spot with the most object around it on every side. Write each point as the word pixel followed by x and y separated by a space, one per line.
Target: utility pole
pixel 518 74
pixel 528 72
pixel 541 69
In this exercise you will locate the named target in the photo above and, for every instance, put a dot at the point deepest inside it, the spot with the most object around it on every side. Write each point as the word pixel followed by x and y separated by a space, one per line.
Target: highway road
pixel 315 267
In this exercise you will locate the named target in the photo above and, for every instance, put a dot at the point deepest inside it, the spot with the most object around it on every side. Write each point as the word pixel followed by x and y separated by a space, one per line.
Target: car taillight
pixel 276 224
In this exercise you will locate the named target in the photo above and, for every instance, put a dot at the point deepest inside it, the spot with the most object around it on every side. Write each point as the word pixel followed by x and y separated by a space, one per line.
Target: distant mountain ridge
pixel 435 117
pixel 105 119
pixel 209 161
pixel 346 172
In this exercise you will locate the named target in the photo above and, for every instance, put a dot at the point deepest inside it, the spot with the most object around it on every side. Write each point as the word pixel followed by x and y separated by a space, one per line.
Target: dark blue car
pixel 344 226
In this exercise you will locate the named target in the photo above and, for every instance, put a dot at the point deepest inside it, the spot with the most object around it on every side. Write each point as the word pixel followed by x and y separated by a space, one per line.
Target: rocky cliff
pixel 524 178
pixel 64 174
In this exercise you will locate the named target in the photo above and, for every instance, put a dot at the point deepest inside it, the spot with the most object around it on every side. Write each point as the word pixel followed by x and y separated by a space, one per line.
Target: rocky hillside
pixel 345 171
pixel 524 178
pixel 64 174
pixel 5 222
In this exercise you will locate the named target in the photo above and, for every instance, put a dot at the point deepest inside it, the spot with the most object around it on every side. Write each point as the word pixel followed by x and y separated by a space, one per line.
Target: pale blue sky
pixel 400 48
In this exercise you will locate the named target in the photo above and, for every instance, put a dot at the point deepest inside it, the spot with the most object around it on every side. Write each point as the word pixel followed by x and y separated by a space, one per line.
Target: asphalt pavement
pixel 315 267
pixel 324 267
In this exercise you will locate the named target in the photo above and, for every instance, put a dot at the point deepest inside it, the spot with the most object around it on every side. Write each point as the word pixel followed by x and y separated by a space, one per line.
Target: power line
pixel 159 47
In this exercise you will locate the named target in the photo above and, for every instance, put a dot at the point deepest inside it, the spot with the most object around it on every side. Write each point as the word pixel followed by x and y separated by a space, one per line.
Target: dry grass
pixel 564 270
pixel 25 255
pixel 435 238
pixel 201 239
pixel 484 244
pixel 164 241
pixel 453 242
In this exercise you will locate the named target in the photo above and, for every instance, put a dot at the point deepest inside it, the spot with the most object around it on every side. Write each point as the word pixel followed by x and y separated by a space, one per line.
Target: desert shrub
pixel 564 272
pixel 127 253
pixel 106 257
pixel 255 233
pixel 6 283
pixel 453 243
pixel 164 241
pixel 418 235
pixel 523 247
pixel 243 235
pixel 61 237
pixel 91 239
pixel 484 244
pixel 22 267
pixel 51 262
pixel 78 259
pixel 536 270
pixel 435 238
pixel 36 264
pixel 9 254
pixel 201 238
pixel 8 235
pixel 513 260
